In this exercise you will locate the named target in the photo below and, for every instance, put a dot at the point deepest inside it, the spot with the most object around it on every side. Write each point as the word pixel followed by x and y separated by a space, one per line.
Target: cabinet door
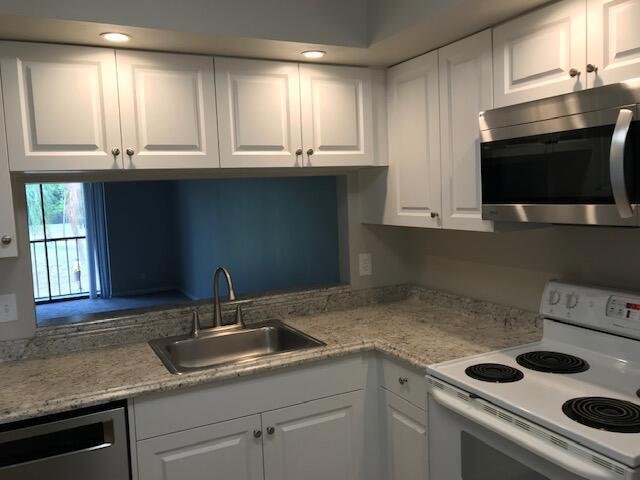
pixel 534 54
pixel 466 89
pixel 61 106
pixel 613 41
pixel 337 115
pixel 8 242
pixel 404 439
pixel 221 451
pixel 318 440
pixel 413 178
pixel 258 113
pixel 168 110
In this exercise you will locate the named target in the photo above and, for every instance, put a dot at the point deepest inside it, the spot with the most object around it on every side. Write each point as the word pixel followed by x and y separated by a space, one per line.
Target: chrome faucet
pixel 217 311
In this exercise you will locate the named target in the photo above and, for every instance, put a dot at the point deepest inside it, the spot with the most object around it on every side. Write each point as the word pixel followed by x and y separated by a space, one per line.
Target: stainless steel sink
pixel 216 347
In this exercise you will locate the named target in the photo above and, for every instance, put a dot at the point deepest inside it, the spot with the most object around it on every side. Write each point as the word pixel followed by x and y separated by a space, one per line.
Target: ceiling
pixel 354 32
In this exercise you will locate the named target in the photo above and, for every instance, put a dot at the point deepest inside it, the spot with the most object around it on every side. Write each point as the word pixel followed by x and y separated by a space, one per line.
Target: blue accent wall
pixel 141 234
pixel 272 234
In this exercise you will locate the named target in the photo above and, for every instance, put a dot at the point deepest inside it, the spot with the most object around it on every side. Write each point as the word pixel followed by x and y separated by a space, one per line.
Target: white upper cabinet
pixel 466 88
pixel 540 54
pixel 8 242
pixel 613 41
pixel 413 179
pixel 258 113
pixel 337 115
pixel 167 110
pixel 318 440
pixel 61 107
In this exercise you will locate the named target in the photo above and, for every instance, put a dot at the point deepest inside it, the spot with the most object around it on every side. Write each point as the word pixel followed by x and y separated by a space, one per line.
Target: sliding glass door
pixel 58 241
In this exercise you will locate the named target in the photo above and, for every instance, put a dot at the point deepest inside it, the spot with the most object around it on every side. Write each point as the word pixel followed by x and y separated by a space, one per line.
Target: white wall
pixel 512 268
pixel 385 244
pixel 15 275
pixel 334 22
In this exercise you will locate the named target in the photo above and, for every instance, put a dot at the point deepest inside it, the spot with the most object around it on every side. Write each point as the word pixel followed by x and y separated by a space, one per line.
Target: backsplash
pixel 176 321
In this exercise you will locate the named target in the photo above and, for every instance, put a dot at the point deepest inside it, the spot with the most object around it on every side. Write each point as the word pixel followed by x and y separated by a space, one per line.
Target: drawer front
pixel 162 413
pixel 406 382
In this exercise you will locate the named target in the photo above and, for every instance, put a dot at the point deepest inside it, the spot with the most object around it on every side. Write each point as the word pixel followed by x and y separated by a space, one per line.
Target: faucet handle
pixel 239 319
pixel 195 323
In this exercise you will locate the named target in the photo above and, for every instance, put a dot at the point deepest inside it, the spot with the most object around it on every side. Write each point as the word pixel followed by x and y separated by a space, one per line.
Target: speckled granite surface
pixel 141 327
pixel 425 328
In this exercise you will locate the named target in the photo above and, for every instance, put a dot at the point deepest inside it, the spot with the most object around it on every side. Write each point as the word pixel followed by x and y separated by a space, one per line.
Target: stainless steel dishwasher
pixel 90 443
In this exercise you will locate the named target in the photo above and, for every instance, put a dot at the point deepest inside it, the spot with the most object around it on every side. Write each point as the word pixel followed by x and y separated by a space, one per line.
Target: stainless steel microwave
pixel 570 159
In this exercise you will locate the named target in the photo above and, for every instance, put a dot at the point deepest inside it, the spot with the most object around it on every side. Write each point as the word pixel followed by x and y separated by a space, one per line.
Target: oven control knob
pixel 572 300
pixel 554 297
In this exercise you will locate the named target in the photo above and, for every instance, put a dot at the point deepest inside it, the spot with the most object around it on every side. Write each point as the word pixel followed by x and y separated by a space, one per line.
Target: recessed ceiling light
pixel 314 53
pixel 115 37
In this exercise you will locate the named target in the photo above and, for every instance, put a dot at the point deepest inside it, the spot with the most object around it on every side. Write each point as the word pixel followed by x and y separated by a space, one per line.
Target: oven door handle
pixel 616 163
pixel 552 453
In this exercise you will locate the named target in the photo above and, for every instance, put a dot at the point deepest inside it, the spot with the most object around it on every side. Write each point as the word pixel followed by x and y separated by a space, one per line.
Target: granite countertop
pixel 413 330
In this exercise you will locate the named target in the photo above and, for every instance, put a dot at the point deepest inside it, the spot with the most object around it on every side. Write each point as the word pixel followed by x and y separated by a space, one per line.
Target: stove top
pixel 593 399
pixel 552 362
pixel 494 372
pixel 608 414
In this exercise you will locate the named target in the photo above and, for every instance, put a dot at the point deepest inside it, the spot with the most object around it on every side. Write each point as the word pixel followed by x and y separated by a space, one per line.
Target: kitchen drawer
pixel 406 382
pixel 162 413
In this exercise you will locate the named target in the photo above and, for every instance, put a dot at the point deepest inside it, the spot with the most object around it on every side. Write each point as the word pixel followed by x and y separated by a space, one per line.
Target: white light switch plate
pixel 8 308
pixel 366 264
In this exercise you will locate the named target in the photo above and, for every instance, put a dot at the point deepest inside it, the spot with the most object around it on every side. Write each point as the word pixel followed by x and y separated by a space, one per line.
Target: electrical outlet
pixel 366 264
pixel 8 308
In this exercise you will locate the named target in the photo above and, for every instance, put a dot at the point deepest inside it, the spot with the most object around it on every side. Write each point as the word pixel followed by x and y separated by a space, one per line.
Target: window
pixel 98 248
pixel 58 241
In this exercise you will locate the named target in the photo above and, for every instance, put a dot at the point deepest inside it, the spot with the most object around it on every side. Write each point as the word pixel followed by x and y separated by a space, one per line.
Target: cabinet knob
pixel 271 430
pixel 6 240
pixel 574 73
pixel 403 380
pixel 257 433
pixel 115 151
pixel 434 214
pixel 310 152
pixel 131 151
pixel 591 68
pixel 298 152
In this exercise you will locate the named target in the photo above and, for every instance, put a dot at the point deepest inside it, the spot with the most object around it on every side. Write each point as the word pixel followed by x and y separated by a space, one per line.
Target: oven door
pixel 470 439
pixel 579 175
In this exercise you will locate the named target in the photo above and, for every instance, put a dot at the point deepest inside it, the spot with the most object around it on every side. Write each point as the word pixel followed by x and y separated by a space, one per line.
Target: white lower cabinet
pixel 404 438
pixel 222 451
pixel 318 440
pixel 357 418
pixel 315 440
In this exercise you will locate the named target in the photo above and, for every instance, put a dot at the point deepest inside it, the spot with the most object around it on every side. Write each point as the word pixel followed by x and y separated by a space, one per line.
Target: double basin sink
pixel 230 345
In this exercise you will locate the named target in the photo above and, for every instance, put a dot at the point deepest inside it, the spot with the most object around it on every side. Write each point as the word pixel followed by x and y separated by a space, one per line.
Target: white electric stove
pixel 566 407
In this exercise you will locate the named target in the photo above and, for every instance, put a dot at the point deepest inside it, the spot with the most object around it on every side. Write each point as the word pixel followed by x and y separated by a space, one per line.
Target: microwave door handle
pixel 616 163
pixel 581 467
